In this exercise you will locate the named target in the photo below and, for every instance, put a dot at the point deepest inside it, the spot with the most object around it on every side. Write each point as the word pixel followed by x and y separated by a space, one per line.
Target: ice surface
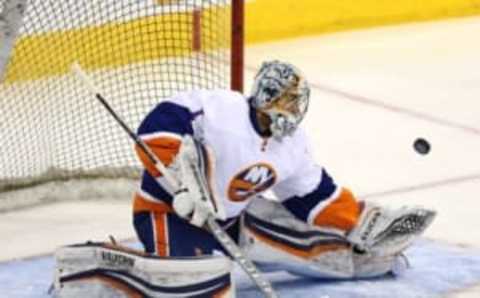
pixel 430 275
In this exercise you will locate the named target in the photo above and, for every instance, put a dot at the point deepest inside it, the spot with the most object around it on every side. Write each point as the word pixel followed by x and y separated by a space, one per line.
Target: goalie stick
pixel 222 237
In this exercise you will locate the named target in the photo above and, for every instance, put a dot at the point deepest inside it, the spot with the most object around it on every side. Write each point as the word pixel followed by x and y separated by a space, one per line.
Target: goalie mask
pixel 282 93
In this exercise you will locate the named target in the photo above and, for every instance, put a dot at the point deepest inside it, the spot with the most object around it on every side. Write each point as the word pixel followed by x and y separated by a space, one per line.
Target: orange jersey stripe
pixel 304 254
pixel 343 213
pixel 140 204
pixel 165 148
pixel 161 233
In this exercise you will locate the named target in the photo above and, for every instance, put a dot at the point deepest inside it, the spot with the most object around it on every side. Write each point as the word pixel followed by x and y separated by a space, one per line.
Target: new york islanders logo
pixel 251 181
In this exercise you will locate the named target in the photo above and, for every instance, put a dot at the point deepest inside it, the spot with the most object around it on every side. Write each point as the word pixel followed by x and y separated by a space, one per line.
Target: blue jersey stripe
pixel 143 226
pixel 301 206
pixel 167 117
pixel 151 186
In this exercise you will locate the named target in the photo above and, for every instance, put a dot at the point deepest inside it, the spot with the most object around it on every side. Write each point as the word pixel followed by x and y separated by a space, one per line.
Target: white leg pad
pixel 103 270
pixel 276 240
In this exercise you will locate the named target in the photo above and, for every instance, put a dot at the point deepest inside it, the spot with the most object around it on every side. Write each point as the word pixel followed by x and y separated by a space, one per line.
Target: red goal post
pixel 138 52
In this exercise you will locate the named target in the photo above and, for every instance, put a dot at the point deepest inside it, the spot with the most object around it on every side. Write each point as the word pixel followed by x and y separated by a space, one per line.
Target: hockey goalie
pixel 244 147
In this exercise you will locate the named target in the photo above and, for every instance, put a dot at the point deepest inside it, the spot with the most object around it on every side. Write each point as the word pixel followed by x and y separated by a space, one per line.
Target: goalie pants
pixel 166 234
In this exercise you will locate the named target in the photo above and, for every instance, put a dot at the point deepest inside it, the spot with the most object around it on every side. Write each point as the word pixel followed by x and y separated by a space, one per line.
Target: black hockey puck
pixel 421 146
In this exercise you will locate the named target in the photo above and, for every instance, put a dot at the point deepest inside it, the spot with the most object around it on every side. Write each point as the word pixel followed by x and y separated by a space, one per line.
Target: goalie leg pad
pixel 272 235
pixel 367 265
pixel 276 240
pixel 103 270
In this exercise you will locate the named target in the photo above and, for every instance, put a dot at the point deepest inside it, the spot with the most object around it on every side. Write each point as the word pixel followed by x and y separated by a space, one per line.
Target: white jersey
pixel 246 164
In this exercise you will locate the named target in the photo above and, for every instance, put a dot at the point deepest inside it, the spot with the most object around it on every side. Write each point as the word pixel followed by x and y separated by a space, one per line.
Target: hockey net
pixel 137 52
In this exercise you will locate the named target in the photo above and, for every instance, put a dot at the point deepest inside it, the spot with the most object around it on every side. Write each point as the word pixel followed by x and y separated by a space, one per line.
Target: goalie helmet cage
pixel 137 52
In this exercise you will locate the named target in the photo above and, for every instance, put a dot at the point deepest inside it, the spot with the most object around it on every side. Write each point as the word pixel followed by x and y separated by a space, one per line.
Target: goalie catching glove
pixel 194 200
pixel 382 231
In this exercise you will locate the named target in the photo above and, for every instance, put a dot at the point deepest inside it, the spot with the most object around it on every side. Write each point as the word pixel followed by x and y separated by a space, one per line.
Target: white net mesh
pixel 137 52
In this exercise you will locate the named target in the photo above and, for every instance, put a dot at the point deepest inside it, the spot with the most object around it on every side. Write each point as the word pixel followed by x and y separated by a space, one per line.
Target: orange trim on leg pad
pixel 343 213
pixel 224 292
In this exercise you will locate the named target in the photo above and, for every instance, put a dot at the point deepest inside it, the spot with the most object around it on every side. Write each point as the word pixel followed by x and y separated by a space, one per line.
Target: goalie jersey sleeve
pixel 162 131
pixel 312 195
